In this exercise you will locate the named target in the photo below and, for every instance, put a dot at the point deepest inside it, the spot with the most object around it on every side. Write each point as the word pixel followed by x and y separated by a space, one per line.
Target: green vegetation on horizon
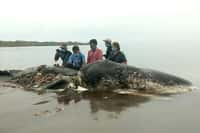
pixel 21 43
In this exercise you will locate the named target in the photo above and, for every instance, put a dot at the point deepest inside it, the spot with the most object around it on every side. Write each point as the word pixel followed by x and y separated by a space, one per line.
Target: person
pixel 62 53
pixel 108 48
pixel 94 54
pixel 77 59
pixel 117 55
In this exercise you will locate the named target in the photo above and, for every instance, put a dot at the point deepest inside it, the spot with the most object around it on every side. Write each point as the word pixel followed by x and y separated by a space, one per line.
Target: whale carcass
pixel 102 76
pixel 107 75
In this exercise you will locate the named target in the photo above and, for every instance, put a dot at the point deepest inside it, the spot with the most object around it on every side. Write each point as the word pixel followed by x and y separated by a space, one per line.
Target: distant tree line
pixel 22 43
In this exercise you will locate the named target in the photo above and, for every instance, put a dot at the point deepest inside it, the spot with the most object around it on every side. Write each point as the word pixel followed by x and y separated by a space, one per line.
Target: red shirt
pixel 93 56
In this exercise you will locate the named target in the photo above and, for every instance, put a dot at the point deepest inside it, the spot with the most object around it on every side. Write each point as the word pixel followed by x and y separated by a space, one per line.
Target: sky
pixel 79 20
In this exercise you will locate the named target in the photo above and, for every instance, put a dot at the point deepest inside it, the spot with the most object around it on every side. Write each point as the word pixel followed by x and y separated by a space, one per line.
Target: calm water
pixel 104 113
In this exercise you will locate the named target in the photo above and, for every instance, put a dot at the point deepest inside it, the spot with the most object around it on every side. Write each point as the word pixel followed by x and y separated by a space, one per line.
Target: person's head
pixel 93 44
pixel 75 49
pixel 63 46
pixel 108 42
pixel 115 46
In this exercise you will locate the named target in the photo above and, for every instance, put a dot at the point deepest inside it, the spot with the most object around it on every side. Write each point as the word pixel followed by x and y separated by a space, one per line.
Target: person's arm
pixel 68 54
pixel 83 60
pixel 88 57
pixel 70 60
pixel 124 60
pixel 106 54
pixel 57 56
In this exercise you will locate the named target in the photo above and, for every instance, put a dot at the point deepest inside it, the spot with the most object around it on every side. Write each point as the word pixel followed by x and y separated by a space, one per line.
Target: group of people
pixel 77 59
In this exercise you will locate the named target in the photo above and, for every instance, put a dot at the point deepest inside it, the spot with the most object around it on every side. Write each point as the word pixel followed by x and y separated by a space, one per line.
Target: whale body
pixel 105 75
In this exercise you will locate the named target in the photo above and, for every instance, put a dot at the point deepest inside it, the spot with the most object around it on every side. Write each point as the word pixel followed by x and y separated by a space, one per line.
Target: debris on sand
pixel 44 77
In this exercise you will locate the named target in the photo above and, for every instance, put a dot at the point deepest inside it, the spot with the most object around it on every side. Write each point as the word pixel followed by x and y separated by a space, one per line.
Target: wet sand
pixel 23 111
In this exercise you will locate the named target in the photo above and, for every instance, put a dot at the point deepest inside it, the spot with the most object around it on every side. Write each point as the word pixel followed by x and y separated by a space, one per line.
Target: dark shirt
pixel 118 57
pixel 63 54
pixel 108 52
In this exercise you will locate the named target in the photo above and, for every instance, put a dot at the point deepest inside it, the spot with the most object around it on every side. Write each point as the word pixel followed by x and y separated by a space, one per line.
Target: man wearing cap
pixel 95 53
pixel 62 53
pixel 108 48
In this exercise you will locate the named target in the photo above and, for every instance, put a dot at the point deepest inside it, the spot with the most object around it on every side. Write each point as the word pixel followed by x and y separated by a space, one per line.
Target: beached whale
pixel 102 76
pixel 107 75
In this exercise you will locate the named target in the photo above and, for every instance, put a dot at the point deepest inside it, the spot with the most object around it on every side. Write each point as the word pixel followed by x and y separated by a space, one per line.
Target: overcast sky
pixel 81 19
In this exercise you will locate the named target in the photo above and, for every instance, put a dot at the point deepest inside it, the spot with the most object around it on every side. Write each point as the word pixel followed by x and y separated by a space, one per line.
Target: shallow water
pixel 23 111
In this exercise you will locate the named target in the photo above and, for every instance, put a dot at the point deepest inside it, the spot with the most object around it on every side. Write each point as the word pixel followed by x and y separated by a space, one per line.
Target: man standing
pixel 62 53
pixel 95 53
pixel 108 48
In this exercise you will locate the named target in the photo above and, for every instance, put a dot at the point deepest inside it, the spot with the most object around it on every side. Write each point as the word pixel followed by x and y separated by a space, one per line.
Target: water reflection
pixel 103 101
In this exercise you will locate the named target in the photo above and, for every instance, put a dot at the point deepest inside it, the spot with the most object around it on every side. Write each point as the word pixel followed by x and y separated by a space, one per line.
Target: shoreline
pixel 37 43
